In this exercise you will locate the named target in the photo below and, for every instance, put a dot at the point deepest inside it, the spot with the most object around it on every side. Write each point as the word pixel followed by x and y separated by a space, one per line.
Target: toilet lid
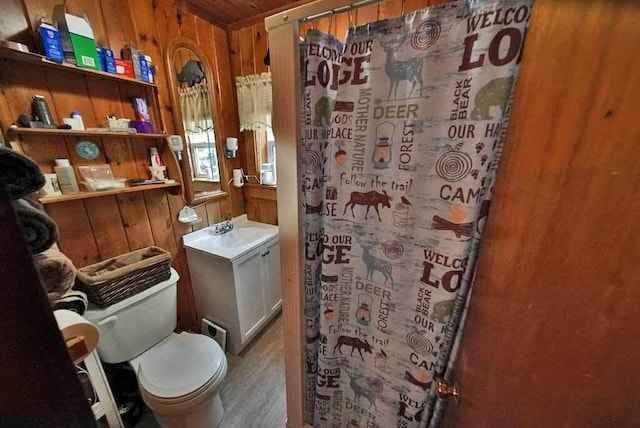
pixel 180 365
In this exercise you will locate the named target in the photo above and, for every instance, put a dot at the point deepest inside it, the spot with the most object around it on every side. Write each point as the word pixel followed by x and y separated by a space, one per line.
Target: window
pixel 202 152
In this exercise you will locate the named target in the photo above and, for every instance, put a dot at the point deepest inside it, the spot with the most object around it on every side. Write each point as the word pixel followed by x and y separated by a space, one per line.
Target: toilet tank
pixel 130 327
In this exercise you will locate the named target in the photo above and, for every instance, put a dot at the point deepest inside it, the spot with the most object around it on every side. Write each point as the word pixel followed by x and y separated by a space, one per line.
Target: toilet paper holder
pixel 77 349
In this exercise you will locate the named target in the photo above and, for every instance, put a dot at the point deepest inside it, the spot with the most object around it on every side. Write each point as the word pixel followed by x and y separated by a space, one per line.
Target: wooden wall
pixel 95 229
pixel 248 46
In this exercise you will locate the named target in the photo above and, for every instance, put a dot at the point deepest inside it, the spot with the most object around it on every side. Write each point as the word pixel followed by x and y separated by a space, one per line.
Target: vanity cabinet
pixel 257 285
pixel 240 293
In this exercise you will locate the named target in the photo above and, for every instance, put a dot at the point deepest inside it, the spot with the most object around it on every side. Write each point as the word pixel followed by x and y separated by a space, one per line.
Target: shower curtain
pixel 402 130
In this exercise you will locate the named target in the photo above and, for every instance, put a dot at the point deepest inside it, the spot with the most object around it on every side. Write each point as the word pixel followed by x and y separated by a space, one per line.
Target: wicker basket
pixel 115 279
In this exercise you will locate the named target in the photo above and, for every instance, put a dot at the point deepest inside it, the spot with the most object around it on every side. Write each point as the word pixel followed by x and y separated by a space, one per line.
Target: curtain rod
pixel 316 10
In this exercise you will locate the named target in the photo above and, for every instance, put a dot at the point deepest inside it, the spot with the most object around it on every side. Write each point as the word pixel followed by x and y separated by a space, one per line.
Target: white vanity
pixel 236 277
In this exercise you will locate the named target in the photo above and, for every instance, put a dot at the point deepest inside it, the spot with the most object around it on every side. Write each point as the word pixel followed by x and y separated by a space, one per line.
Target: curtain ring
pixel 404 3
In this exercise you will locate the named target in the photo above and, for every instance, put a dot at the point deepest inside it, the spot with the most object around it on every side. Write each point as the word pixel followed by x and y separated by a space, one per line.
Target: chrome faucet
pixel 223 227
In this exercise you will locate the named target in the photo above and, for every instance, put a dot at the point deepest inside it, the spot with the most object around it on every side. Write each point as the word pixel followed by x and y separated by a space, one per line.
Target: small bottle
pixel 155 157
pixel 78 118
pixel 66 177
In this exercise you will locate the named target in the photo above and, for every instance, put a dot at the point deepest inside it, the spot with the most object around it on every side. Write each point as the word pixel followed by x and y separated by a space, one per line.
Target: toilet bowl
pixel 185 397
pixel 179 375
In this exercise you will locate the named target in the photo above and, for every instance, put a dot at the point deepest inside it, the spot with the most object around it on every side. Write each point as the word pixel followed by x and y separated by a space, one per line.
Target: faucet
pixel 223 227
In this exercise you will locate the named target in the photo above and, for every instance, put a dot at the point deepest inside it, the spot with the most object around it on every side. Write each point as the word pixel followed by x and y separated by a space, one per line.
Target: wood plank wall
pixel 248 47
pixel 95 229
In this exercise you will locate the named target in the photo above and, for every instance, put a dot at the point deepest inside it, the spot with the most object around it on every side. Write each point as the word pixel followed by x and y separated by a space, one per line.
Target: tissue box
pixel 51 45
pixel 77 39
pixel 144 69
pixel 100 58
pixel 133 55
pixel 124 67
pixel 109 60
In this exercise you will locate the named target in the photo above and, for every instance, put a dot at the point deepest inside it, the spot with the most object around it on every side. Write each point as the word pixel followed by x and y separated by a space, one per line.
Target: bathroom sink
pixel 239 237
pixel 245 236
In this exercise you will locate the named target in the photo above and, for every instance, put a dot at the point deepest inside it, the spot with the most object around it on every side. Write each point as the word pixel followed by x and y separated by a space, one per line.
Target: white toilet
pixel 179 374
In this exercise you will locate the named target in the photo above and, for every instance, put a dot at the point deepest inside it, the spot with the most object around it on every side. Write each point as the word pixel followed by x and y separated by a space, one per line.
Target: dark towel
pixel 57 272
pixel 38 228
pixel 72 300
pixel 19 174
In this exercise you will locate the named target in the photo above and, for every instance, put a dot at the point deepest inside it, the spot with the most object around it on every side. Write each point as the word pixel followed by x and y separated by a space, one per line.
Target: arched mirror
pixel 192 95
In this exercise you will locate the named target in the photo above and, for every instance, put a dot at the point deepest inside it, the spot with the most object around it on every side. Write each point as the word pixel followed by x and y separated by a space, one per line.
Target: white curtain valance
pixel 196 107
pixel 255 101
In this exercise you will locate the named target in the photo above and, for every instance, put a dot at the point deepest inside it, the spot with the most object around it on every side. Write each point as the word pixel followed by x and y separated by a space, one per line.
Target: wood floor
pixel 253 393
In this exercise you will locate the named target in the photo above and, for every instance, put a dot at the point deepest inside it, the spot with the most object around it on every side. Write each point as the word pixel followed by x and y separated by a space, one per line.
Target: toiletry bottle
pixel 66 177
pixel 155 157
pixel 41 112
pixel 78 118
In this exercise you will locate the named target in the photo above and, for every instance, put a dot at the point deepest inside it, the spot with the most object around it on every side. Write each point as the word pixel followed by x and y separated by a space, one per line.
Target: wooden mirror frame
pixel 187 178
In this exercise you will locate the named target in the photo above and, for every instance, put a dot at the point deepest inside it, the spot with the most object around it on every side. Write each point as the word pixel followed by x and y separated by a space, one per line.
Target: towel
pixel 19 174
pixel 57 272
pixel 72 300
pixel 39 230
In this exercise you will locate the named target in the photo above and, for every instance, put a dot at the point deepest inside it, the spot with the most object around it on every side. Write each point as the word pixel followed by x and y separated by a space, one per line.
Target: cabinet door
pixel 252 307
pixel 272 275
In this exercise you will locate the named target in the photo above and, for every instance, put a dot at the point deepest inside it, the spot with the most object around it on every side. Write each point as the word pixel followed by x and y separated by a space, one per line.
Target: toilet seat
pixel 183 368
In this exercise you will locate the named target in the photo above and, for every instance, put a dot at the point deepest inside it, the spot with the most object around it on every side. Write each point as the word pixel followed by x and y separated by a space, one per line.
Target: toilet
pixel 179 375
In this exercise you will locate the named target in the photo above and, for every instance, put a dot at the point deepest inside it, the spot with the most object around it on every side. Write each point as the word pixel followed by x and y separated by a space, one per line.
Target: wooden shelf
pixel 86 195
pixel 33 58
pixel 72 133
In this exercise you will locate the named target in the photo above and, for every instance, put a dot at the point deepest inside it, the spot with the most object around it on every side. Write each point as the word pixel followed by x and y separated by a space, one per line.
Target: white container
pixel 267 174
pixel 75 124
pixel 78 118
pixel 66 177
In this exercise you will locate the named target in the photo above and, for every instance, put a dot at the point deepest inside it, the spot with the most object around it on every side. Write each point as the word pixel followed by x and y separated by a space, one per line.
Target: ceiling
pixel 229 12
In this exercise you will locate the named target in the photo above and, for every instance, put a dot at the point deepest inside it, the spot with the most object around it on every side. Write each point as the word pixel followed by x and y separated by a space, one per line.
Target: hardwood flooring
pixel 253 393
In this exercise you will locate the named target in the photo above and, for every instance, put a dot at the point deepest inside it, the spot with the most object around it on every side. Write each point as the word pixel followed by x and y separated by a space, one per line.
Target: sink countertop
pixel 246 236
